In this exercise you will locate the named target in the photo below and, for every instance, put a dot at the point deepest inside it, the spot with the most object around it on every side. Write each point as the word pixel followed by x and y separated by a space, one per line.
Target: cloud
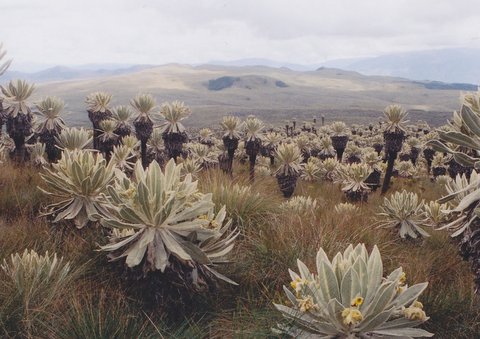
pixel 147 31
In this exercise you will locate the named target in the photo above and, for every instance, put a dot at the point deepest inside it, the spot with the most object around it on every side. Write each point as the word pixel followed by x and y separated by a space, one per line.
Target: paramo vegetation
pixel 141 228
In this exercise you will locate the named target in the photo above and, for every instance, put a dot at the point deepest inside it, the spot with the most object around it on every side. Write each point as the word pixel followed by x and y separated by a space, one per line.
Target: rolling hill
pixel 273 94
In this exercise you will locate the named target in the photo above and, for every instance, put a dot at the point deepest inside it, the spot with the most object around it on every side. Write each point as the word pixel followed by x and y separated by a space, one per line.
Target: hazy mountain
pixel 265 62
pixel 58 73
pixel 273 94
pixel 458 65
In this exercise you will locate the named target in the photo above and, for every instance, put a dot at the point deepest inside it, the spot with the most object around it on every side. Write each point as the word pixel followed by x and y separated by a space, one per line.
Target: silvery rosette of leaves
pixel 352 177
pixel 77 180
pixel 404 210
pixel 348 297
pixel 169 218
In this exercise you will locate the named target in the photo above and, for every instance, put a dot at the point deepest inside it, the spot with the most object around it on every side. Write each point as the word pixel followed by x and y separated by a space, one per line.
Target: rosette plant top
pixel 98 108
pixel 231 135
pixel 174 225
pixel 289 158
pixel 253 141
pixel 349 298
pixel 173 131
pixel 122 115
pixel 144 104
pixel 339 138
pixel 353 179
pixel 51 125
pixel 393 135
pixel 404 211
pixel 77 180
pixel 18 115
pixel 72 138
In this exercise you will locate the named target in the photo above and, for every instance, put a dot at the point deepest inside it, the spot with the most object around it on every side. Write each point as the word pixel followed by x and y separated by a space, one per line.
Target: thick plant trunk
pixel 48 138
pixel 339 143
pixel 96 118
pixel 143 130
pixel 378 148
pixel 429 153
pixel 174 144
pixel 18 128
pixel 414 155
pixel 354 159
pixel 469 247
pixel 356 196
pixel 122 131
pixel 393 145
pixel 252 147
pixel 287 184
pixel 388 174
pixel 224 162
pixel 454 168
pixel 373 180
pixel 106 147
pixel 231 145
pixel 437 171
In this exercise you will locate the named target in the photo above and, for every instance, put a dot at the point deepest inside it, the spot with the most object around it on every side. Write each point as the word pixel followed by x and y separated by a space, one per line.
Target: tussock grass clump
pixel 246 204
pixel 19 193
pixel 30 285
pixel 99 315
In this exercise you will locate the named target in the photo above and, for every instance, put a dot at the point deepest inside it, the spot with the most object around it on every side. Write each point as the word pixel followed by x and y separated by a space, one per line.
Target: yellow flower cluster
pixel 356 302
pixel 212 224
pixel 307 304
pixel 298 284
pixel 352 315
pixel 415 311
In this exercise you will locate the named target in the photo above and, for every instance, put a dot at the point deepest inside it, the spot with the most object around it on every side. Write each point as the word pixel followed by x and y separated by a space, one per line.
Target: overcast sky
pixel 65 32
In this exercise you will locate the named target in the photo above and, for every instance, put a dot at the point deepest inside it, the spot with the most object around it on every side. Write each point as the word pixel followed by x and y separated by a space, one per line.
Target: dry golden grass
pixel 271 242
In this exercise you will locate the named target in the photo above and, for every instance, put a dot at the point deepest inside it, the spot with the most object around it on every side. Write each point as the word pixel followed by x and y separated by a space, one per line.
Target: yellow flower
pixel 298 284
pixel 307 304
pixel 351 316
pixel 414 313
pixel 356 301
pixel 418 304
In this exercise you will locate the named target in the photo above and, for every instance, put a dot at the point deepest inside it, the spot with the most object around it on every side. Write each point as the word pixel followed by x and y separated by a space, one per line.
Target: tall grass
pixel 19 193
pixel 245 203
pixel 101 303
pixel 30 285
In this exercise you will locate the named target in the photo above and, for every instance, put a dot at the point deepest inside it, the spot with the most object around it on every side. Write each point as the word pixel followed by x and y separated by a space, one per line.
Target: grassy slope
pixel 338 94
pixel 102 304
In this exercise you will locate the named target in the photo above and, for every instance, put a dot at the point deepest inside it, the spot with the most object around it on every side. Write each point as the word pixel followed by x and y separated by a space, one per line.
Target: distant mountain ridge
pixel 450 65
pixel 272 94
pixel 454 65
pixel 60 73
